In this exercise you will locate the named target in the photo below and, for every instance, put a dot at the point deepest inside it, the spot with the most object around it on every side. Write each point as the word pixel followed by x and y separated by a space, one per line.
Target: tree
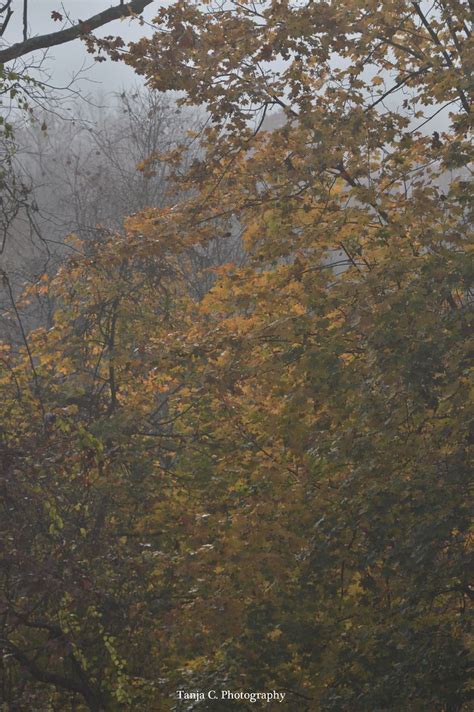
pixel 292 450
pixel 84 174
pixel 21 88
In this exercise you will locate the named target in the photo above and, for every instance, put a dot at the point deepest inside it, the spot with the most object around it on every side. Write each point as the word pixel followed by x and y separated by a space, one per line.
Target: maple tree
pixel 266 488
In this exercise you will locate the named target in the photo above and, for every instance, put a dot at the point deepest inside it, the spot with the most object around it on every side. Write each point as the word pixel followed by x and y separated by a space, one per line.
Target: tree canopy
pixel 265 488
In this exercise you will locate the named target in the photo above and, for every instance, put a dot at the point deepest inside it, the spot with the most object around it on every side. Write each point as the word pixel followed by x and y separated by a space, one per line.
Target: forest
pixel 236 358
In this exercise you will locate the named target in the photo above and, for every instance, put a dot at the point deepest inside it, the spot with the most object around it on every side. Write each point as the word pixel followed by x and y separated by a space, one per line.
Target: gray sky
pixel 66 60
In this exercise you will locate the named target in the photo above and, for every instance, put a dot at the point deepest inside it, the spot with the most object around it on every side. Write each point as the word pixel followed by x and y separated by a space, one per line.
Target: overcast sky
pixel 66 60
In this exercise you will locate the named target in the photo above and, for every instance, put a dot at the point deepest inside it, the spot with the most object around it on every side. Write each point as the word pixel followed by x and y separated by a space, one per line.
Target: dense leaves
pixel 266 488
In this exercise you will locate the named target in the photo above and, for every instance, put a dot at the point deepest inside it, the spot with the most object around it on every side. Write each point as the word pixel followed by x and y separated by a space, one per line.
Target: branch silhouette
pixel 83 27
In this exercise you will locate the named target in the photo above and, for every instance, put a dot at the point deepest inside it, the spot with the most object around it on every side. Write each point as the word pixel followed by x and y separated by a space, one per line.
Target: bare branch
pixel 9 12
pixel 71 33
pixel 8 287
pixel 25 20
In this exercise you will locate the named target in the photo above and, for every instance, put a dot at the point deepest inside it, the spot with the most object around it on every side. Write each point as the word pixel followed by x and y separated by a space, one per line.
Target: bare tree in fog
pixel 83 176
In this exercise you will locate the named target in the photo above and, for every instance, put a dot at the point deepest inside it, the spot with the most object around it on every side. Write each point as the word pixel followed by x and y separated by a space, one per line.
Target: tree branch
pixel 71 33
pixel 80 687
pixel 25 20
pixel 9 12
pixel 7 285
pixel 432 33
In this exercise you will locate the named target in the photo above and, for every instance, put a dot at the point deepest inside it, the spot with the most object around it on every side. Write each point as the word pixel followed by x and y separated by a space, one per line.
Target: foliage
pixel 266 488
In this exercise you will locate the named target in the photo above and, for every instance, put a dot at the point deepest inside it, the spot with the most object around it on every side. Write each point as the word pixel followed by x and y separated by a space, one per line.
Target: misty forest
pixel 235 355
